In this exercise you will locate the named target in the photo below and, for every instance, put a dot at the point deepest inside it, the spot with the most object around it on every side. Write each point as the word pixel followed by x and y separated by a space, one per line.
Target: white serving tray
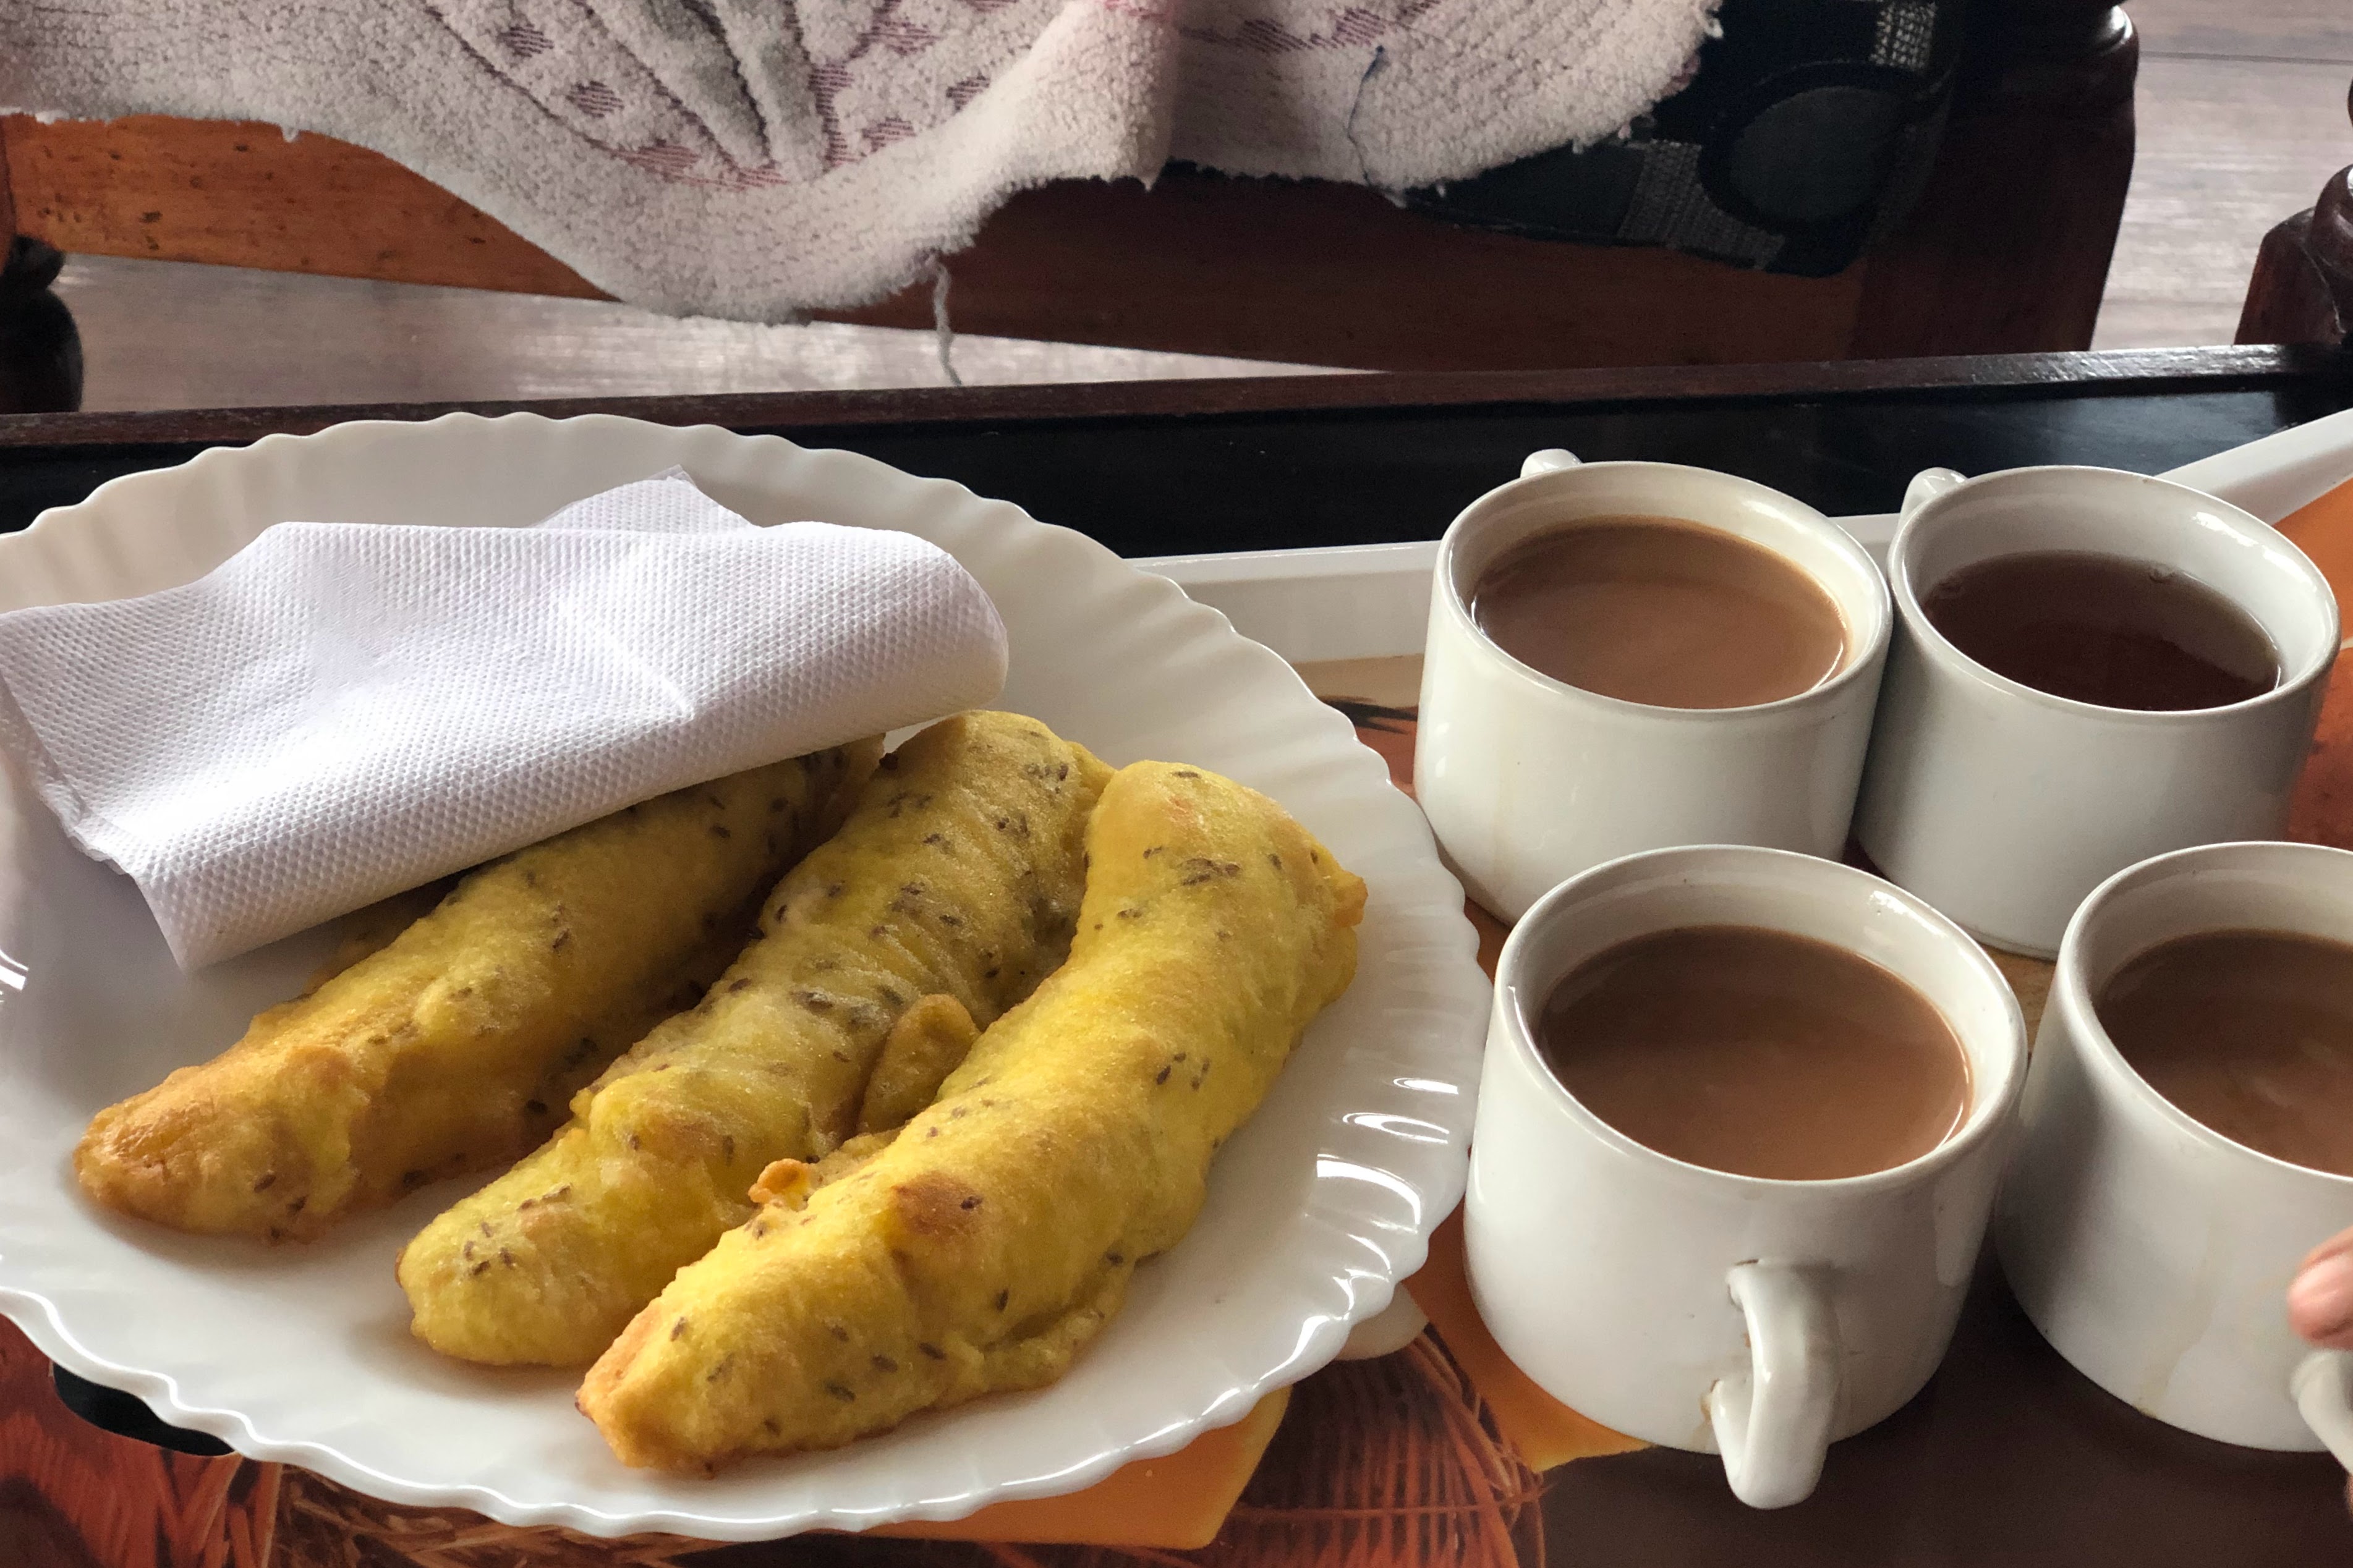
pixel 1372 601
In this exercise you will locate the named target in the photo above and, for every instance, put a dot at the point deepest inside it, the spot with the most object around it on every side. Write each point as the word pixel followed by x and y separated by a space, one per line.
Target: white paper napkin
pixel 342 711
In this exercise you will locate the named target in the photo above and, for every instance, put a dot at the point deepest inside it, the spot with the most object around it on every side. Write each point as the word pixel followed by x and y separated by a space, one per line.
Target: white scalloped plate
pixel 302 1354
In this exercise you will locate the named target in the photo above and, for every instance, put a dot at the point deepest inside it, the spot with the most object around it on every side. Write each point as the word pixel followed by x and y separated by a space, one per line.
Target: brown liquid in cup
pixel 1659 611
pixel 1757 1052
pixel 2250 1032
pixel 2105 629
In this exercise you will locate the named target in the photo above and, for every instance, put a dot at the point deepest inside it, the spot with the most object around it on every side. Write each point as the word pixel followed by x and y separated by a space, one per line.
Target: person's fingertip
pixel 2320 1299
pixel 2342 1242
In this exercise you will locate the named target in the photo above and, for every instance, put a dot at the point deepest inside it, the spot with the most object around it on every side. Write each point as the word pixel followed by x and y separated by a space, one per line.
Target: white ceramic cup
pixel 2154 1253
pixel 2004 805
pixel 1527 779
pixel 1729 1314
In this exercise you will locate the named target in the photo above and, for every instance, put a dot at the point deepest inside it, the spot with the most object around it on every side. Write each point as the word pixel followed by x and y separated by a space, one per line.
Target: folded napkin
pixel 342 711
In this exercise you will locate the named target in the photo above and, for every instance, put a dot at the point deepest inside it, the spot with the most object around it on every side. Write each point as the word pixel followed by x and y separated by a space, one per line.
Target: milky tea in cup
pixel 2111 630
pixel 2249 1032
pixel 2185 1140
pixel 1625 656
pixel 1740 1119
pixel 2090 668
pixel 1757 1052
pixel 1661 611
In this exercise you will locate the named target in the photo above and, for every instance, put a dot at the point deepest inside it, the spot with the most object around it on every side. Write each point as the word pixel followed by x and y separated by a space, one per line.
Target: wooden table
pixel 2009 1456
pixel 1170 467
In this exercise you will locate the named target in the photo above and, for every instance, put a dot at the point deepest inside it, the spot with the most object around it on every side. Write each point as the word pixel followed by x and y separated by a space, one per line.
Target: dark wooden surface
pixel 2139 372
pixel 2008 248
pixel 2008 1457
pixel 1172 468
pixel 1313 273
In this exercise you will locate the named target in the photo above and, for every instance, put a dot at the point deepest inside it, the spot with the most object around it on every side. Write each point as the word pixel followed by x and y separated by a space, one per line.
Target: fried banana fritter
pixel 930 1041
pixel 958 874
pixel 368 930
pixel 996 1233
pixel 454 1045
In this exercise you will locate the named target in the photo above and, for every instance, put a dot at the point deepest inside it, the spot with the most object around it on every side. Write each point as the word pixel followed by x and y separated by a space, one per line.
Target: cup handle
pixel 1773 1422
pixel 2322 1385
pixel 1926 486
pixel 1551 460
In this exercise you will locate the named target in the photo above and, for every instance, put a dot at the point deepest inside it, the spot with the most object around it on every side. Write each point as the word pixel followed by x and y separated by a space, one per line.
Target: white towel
pixel 342 711
pixel 759 158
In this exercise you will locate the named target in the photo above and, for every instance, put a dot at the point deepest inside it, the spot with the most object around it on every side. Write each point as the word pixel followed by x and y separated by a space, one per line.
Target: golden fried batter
pixel 996 1234
pixel 455 1046
pixel 927 1043
pixel 368 930
pixel 958 874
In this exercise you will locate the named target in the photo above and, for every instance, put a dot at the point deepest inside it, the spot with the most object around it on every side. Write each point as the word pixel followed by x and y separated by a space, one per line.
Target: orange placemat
pixel 1546 1432
pixel 1179 1501
pixel 2322 812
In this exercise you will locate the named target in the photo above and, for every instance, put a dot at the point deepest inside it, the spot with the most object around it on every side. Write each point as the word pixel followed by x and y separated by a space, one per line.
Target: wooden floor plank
pixel 2227 148
pixel 2311 32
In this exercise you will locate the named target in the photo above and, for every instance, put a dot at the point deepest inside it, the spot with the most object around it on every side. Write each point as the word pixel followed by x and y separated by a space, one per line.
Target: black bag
pixel 1807 133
